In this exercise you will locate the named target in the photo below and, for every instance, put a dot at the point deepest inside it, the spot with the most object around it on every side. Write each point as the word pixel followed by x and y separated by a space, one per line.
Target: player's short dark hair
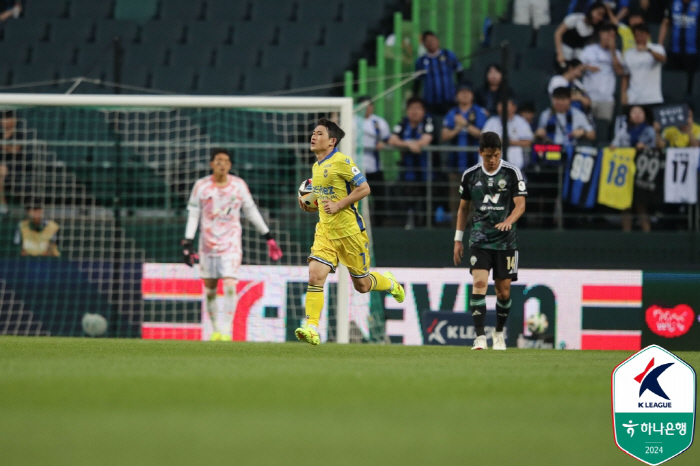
pixel 561 93
pixel 640 28
pixel 573 63
pixel 594 6
pixel 426 34
pixel 219 150
pixel 415 100
pixel 8 114
pixel 489 140
pixel 334 130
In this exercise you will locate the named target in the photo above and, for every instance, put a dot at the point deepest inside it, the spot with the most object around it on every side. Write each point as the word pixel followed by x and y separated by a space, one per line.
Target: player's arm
pixel 189 255
pixel 356 195
pixel 462 217
pixel 350 173
pixel 250 209
pixel 518 211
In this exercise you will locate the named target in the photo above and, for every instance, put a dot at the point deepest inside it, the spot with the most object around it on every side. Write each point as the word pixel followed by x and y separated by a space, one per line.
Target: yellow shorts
pixel 351 251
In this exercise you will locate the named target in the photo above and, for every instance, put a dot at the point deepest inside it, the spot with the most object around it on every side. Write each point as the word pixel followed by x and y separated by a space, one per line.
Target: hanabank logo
pixel 649 381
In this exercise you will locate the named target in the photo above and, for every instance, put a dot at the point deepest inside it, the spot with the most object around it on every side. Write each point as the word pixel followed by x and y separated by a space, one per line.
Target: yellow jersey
pixel 676 138
pixel 616 186
pixel 333 179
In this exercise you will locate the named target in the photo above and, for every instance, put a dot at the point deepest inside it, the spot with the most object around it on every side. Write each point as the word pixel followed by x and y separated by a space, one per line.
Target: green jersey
pixel 492 195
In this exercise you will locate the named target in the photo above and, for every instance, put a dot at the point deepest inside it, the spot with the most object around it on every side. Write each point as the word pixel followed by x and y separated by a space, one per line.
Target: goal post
pixel 114 172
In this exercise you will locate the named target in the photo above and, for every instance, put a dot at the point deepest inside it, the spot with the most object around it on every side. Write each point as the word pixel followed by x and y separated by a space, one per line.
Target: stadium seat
pixel 362 11
pixel 162 32
pixel 135 75
pixel 71 31
pixel 191 55
pixel 91 9
pixel 23 74
pixel 321 56
pixel 27 31
pixel 517 35
pixel 277 11
pixel 264 80
pixel 183 10
pixel 545 39
pixel 217 82
pixel 4 72
pixel 226 10
pixel 245 34
pixel 534 59
pixel 530 85
pixel 318 11
pixel 300 33
pixel 237 57
pixel 211 32
pixel 302 78
pixel 145 54
pixel 140 10
pixel 557 11
pixel 674 85
pixel 283 57
pixel 180 81
pixel 95 56
pixel 53 53
pixel 14 54
pixel 44 9
pixel 107 30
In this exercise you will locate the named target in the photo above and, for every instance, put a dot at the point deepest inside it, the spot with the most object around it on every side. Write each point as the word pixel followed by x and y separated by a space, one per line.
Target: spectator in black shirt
pixel 492 91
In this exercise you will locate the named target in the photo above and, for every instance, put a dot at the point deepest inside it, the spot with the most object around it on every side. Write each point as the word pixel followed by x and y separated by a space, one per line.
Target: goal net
pixel 97 186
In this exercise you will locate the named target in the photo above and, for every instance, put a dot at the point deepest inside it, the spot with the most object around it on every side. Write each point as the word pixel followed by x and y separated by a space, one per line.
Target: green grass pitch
pixel 131 402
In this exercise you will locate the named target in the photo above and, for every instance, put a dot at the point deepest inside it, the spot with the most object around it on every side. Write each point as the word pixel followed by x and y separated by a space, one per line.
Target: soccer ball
pixel 307 196
pixel 94 324
pixel 537 323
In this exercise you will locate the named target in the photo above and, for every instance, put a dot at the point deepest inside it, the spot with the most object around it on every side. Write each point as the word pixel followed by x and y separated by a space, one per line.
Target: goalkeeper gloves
pixel 273 250
pixel 189 255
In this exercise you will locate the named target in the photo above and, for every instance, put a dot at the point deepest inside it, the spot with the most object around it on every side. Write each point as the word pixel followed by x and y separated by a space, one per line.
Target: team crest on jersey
pixel 473 260
pixel 502 183
pixel 325 173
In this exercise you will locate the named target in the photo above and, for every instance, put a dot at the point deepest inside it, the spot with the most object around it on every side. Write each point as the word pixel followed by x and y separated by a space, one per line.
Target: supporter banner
pixel 271 302
pixel 671 115
pixel 671 308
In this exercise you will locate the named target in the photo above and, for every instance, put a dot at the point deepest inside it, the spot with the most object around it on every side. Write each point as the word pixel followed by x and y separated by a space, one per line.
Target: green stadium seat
pixel 14 53
pixel 103 9
pixel 183 10
pixel 517 35
pixel 237 57
pixel 53 53
pixel 217 82
pixel 135 75
pixel 318 11
pixel 107 30
pixel 192 55
pixel 27 31
pixel 226 10
pixel 245 34
pixel 23 74
pixel 602 132
pixel 95 56
pixel 277 11
pixel 312 77
pixel 4 72
pixel 362 11
pixel 145 54
pixel 264 80
pixel 557 11
pixel 300 33
pixel 139 10
pixel 162 32
pixel 180 81
pixel 545 39
pixel 71 31
pixel 283 57
pixel 530 85
pixel 44 9
pixel 674 85
pixel 324 56
pixel 211 32
pixel 534 59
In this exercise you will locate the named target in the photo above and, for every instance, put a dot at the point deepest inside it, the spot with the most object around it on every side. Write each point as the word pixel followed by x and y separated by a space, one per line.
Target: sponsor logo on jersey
pixel 325 190
pixel 494 199
pixel 478 183
pixel 347 161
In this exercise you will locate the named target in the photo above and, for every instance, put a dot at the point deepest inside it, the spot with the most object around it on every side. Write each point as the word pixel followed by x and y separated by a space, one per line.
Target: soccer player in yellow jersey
pixel 340 232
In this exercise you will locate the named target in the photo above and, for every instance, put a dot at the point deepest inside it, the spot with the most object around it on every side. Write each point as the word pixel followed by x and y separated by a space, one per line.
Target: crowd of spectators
pixel 606 74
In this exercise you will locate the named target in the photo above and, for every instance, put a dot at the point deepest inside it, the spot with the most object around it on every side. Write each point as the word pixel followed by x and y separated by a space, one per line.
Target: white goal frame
pixel 342 105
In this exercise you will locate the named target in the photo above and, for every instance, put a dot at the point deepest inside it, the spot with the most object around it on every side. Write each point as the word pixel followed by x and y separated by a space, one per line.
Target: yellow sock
pixel 379 282
pixel 314 305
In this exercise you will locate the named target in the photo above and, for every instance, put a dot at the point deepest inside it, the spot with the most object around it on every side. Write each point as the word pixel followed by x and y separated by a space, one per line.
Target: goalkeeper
pixel 340 232
pixel 215 206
